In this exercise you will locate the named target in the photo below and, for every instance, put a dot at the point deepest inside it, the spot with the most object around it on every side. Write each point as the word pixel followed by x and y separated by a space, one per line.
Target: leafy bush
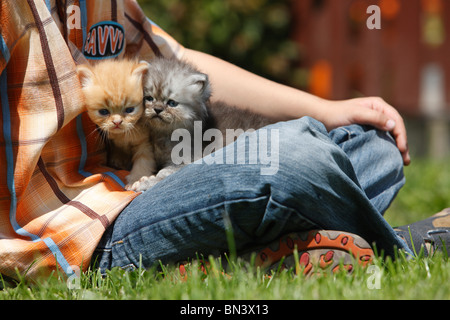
pixel 253 34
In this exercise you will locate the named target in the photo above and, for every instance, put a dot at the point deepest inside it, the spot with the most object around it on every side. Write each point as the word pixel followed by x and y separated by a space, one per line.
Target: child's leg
pixel 312 185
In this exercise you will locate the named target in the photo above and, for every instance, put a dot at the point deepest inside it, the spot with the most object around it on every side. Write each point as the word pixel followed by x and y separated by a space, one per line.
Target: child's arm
pixel 241 88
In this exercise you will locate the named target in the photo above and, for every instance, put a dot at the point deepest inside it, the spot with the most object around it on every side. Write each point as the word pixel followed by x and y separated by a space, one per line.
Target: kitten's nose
pixel 118 122
pixel 158 110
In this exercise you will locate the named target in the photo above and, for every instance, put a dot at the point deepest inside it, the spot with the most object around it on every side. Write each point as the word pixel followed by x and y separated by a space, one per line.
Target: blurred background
pixel 325 47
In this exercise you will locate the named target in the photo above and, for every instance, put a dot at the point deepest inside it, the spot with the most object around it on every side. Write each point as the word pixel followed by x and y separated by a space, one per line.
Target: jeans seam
pixel 293 210
pixel 117 242
pixel 222 203
pixel 268 197
pixel 103 249
pixel 129 266
pixel 349 133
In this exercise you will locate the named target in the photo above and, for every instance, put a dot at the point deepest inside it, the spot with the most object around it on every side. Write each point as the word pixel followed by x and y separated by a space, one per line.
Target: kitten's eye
pixel 129 110
pixel 103 112
pixel 149 98
pixel 172 103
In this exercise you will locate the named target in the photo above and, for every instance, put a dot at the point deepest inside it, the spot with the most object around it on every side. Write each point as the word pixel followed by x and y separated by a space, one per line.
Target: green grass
pixel 425 278
pixel 426 193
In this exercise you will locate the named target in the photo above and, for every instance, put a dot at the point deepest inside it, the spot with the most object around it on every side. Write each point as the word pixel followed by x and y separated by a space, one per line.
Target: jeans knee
pixel 308 155
pixel 370 151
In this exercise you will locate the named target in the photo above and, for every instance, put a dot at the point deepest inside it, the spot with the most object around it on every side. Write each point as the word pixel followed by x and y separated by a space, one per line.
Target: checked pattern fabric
pixel 56 198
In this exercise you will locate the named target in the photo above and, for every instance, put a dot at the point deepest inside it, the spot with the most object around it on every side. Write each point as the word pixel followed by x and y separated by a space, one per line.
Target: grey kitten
pixel 177 96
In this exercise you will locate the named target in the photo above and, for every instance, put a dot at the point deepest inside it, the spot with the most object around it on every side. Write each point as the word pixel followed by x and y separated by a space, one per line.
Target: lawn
pixel 426 193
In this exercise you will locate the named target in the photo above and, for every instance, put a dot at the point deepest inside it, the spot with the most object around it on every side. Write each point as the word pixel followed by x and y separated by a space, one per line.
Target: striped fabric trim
pixel 83 143
pixel 49 5
pixel 65 200
pixel 10 156
pixel 10 180
pixel 147 37
pixel 57 199
pixel 84 155
pixel 49 64
pixel 114 10
pixel 59 256
pixel 83 10
pixel 4 49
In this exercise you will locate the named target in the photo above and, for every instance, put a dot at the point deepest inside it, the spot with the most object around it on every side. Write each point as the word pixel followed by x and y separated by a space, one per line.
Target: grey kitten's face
pixel 174 95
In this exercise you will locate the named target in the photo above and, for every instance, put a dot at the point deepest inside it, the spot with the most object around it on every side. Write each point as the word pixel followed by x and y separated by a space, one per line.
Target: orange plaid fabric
pixel 56 197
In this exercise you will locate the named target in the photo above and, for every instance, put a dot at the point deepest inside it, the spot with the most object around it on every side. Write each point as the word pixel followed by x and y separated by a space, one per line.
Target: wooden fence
pixel 406 61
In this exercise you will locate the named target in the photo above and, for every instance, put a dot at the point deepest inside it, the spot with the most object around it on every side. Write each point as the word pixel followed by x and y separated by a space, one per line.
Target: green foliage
pixel 423 278
pixel 253 34
pixel 425 193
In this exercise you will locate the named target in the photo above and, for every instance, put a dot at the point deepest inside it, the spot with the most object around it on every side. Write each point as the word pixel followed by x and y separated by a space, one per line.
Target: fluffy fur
pixel 175 96
pixel 114 102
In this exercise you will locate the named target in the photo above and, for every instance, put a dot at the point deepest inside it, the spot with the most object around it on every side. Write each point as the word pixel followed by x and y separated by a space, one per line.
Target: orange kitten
pixel 114 101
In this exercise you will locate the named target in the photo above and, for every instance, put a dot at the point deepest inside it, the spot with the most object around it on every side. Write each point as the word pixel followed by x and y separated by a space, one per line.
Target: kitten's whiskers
pixel 101 137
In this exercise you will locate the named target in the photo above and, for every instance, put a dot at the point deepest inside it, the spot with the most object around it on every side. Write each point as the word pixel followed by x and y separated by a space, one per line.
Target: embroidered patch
pixel 104 40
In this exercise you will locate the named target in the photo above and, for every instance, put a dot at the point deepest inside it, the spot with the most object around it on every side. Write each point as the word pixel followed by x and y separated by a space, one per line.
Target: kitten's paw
pixel 132 178
pixel 130 187
pixel 143 184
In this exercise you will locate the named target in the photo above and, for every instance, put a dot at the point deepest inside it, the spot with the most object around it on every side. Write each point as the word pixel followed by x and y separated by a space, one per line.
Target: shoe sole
pixel 318 251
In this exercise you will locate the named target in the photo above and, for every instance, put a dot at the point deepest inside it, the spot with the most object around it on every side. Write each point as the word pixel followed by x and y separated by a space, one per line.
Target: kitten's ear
pixel 199 82
pixel 141 69
pixel 85 75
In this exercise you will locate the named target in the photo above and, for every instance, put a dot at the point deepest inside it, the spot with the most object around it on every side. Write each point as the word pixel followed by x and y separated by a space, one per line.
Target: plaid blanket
pixel 56 197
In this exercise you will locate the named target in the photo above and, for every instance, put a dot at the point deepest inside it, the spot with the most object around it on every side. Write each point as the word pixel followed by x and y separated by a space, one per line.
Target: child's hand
pixel 370 111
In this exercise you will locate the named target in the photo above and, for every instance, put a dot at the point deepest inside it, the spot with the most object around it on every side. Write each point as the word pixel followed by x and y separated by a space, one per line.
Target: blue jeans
pixel 343 180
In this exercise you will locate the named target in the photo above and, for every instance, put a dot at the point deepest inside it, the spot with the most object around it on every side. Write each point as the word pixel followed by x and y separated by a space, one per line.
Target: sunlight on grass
pixel 403 279
pixel 425 193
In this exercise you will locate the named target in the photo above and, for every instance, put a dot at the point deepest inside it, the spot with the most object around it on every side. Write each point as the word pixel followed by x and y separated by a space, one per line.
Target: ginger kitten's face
pixel 174 95
pixel 113 93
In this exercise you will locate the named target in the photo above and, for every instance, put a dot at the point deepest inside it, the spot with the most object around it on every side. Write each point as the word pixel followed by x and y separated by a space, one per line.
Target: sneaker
pixel 428 235
pixel 318 250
